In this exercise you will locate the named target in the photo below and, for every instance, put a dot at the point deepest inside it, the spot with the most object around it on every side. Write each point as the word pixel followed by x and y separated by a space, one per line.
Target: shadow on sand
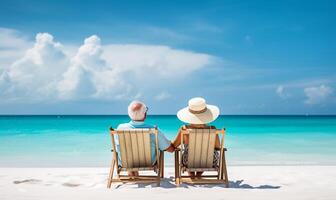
pixel 168 183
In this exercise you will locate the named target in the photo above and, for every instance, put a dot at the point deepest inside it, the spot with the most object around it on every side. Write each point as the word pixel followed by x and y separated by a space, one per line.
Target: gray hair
pixel 137 110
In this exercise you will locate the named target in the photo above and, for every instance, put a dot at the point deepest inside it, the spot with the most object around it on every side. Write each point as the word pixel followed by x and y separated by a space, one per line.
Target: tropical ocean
pixel 84 141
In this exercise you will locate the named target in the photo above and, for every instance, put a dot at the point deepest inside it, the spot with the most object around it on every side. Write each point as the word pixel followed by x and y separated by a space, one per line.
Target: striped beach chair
pixel 201 149
pixel 135 154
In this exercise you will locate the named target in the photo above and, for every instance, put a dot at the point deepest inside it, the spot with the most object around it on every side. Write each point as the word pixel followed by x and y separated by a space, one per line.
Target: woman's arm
pixel 177 140
pixel 217 143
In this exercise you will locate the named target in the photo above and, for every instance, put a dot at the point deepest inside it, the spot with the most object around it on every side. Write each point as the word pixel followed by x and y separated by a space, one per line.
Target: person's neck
pixel 198 125
pixel 138 120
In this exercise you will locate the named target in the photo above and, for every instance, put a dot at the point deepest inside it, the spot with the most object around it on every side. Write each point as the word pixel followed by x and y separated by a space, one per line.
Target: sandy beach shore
pixel 246 182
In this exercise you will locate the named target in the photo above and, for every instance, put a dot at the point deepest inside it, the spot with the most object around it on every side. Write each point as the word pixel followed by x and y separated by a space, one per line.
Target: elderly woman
pixel 137 111
pixel 197 115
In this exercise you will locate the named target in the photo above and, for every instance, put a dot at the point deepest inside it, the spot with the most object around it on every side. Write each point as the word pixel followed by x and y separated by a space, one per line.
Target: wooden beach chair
pixel 200 157
pixel 135 153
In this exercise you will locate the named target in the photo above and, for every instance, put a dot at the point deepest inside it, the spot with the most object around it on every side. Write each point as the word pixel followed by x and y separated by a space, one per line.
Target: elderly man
pixel 137 111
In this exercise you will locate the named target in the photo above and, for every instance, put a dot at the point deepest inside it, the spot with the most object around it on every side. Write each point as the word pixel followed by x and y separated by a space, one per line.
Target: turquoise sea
pixel 84 141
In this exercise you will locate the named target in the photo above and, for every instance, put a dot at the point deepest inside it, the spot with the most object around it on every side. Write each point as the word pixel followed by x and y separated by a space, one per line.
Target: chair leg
pixel 224 170
pixel 162 164
pixel 109 181
pixel 159 176
pixel 177 170
pixel 220 170
pixel 158 182
pixel 159 169
pixel 175 166
pixel 179 180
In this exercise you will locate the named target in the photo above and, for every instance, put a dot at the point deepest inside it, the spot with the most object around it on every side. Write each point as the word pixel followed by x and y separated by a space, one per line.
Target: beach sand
pixel 246 182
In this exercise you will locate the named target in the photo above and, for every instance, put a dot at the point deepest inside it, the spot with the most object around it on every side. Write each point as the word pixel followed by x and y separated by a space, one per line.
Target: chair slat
pixel 201 148
pixel 129 155
pixel 211 148
pixel 141 150
pixel 123 150
pixel 135 150
pixel 192 147
pixel 204 146
pixel 147 147
pixel 198 149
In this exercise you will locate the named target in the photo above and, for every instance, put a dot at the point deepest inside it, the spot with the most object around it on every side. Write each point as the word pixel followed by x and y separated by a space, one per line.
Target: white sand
pixel 246 182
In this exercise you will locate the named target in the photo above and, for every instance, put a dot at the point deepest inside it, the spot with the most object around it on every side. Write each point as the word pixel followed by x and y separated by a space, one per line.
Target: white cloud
pixel 78 79
pixel 35 75
pixel 48 71
pixel 148 60
pixel 10 38
pixel 12 46
pixel 280 91
pixel 317 95
pixel 162 96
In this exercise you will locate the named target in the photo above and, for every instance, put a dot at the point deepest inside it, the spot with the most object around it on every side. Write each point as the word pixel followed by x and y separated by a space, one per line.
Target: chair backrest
pixel 135 147
pixel 201 147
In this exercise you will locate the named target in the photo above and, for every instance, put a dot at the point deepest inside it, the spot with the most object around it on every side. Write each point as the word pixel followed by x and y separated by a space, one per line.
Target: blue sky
pixel 247 57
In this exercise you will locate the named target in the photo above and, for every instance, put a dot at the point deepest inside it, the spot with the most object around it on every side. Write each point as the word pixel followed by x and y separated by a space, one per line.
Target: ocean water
pixel 84 141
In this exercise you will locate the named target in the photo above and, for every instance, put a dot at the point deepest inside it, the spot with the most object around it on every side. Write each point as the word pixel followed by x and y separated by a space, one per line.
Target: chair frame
pixel 157 167
pixel 220 178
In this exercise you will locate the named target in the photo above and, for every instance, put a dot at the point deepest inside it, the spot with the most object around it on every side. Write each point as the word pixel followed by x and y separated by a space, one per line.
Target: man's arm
pixel 171 148
pixel 164 143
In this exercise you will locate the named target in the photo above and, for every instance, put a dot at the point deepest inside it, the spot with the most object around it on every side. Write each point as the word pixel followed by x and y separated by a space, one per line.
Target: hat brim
pixel 208 116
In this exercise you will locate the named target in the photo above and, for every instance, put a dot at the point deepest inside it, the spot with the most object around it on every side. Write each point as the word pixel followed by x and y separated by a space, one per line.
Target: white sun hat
pixel 198 112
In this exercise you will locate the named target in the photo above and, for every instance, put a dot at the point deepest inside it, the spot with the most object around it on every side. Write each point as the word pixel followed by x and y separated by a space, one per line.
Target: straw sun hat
pixel 198 112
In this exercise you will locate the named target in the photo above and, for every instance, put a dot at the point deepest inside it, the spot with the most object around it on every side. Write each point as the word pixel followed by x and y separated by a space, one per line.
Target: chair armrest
pixel 225 149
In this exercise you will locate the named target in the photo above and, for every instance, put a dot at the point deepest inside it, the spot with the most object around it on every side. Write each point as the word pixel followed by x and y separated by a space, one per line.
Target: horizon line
pixel 9 115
